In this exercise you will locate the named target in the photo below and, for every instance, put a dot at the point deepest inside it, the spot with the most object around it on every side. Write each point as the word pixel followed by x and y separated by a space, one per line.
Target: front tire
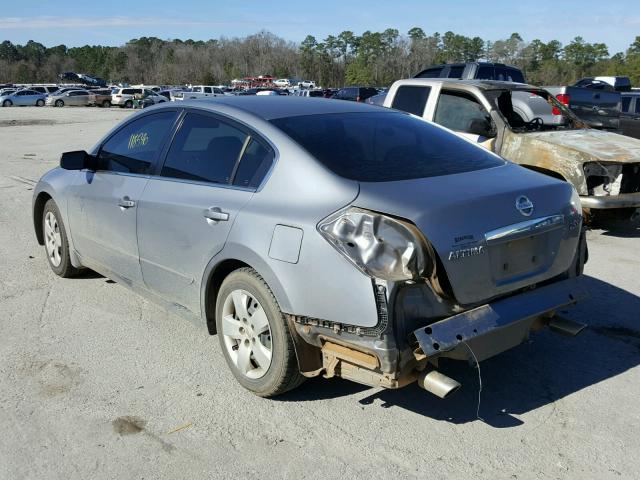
pixel 106 104
pixel 254 336
pixel 59 103
pixel 56 244
pixel 7 103
pixel 128 104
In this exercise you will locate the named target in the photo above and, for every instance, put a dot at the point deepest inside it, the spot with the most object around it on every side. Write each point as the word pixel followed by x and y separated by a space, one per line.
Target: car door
pixel 76 99
pixel 465 115
pixel 187 211
pixel 103 203
pixel 23 98
pixel 630 116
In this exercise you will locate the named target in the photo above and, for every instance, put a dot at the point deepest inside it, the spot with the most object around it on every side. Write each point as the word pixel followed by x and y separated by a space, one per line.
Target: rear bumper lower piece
pixel 495 327
pixel 624 200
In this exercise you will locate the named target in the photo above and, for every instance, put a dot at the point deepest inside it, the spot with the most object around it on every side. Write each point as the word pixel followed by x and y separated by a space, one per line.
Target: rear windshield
pixel 384 147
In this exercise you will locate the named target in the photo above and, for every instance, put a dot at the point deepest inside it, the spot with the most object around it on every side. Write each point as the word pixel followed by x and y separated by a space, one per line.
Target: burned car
pixel 319 238
pixel 529 126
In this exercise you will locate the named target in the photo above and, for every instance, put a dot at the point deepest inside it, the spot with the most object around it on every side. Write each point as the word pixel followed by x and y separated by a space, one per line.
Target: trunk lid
pixel 486 245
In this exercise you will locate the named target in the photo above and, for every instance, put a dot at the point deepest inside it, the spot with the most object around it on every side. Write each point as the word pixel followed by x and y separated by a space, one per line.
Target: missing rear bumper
pixel 497 326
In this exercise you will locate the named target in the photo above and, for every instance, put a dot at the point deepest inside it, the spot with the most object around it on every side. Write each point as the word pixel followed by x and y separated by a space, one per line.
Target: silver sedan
pixel 319 237
pixel 74 98
pixel 23 98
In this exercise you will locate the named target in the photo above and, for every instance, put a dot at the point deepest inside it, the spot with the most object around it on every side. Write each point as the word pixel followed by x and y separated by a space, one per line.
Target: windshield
pixel 384 146
pixel 534 110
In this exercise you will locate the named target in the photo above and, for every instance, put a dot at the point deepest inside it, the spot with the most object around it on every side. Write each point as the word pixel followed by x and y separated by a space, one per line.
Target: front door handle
pixel 216 214
pixel 126 202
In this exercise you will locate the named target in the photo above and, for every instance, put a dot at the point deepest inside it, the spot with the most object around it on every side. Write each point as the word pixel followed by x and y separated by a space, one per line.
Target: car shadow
pixel 617 228
pixel 539 372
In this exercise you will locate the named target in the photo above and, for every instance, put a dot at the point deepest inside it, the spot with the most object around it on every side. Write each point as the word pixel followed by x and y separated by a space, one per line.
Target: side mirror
pixel 77 160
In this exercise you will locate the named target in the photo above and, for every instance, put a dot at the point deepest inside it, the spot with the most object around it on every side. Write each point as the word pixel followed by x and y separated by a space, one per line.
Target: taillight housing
pixel 564 99
pixel 380 246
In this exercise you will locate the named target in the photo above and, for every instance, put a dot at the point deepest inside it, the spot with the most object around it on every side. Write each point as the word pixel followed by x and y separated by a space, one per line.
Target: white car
pixel 200 91
pixel 307 84
pixel 282 83
pixel 316 92
pixel 124 97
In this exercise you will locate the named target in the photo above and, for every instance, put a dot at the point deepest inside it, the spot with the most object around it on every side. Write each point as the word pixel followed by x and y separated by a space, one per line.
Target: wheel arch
pixel 235 257
pixel 38 210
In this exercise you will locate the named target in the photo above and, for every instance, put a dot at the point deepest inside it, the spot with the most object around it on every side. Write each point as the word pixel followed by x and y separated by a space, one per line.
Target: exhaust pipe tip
pixel 437 383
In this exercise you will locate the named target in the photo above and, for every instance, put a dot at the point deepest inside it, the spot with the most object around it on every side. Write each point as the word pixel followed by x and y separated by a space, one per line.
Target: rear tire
pixel 56 242
pixel 59 103
pixel 106 104
pixel 40 103
pixel 251 329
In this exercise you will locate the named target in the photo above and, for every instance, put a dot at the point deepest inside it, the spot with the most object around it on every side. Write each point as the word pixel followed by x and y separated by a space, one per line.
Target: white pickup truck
pixel 529 126
pixel 199 91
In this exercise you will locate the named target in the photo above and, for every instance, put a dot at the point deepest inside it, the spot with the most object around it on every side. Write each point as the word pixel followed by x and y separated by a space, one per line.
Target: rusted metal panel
pixel 565 152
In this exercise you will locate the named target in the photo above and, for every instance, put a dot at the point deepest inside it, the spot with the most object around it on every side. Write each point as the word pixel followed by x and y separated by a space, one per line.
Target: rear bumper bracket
pixel 447 334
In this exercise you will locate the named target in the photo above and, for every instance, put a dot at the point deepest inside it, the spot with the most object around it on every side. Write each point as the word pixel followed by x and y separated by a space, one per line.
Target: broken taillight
pixel 380 246
pixel 563 98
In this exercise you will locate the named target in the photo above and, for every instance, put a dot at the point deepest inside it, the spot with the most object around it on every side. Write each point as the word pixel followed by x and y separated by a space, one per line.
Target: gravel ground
pixel 96 382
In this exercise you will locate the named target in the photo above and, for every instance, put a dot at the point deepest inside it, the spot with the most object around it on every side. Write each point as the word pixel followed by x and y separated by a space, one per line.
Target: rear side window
pixel 485 72
pixel 204 149
pixel 455 72
pixel 637 109
pixel 207 90
pixel 254 165
pixel 411 99
pixel 384 146
pixel 507 74
pixel 133 149
pixel 626 101
pixel 430 73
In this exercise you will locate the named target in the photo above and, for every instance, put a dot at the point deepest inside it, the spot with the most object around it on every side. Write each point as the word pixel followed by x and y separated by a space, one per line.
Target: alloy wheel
pixel 247 334
pixel 53 239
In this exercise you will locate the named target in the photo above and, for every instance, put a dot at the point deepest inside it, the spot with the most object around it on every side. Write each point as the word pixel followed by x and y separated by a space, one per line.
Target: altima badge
pixel 524 205
pixel 465 252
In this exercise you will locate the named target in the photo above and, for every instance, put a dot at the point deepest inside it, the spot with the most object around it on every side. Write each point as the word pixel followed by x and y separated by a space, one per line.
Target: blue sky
pixel 615 23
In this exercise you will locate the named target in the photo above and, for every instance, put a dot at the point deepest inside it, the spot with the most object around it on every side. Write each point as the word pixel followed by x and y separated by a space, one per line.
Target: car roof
pixel 482 84
pixel 281 106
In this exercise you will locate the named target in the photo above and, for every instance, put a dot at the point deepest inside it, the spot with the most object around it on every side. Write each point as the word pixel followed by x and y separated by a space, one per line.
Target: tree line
pixel 372 58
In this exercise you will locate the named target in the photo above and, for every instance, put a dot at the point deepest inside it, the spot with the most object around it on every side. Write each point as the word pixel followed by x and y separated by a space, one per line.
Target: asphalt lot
pixel 97 383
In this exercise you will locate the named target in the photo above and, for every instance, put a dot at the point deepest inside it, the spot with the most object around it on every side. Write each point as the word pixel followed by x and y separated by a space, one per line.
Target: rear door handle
pixel 216 214
pixel 126 202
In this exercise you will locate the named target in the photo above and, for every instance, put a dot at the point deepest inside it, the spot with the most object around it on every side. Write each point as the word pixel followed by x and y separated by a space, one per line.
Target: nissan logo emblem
pixel 524 205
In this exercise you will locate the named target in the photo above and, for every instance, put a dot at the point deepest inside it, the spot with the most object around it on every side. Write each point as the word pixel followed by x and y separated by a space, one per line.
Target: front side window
pixel 460 112
pixel 411 99
pixel 637 109
pixel 204 149
pixel 384 146
pixel 134 148
pixel 626 101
